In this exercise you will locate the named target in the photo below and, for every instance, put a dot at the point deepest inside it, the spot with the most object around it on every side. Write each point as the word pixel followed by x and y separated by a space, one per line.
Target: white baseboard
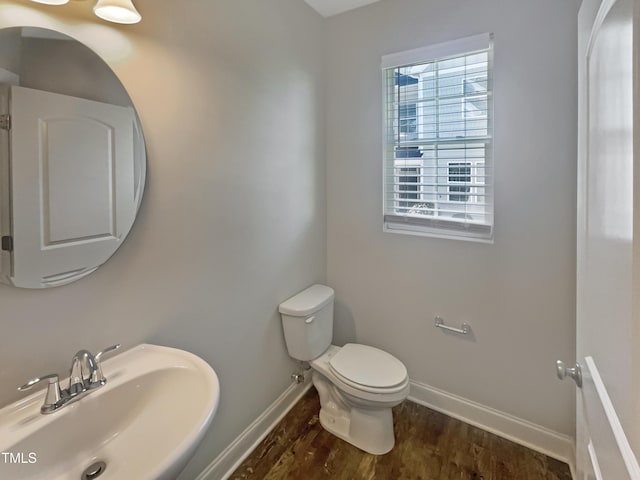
pixel 522 432
pixel 231 457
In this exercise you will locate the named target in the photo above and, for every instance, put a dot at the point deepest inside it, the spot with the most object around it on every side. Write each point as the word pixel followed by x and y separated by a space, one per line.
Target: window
pixel 438 140
pixel 408 179
pixel 459 181
pixel 408 120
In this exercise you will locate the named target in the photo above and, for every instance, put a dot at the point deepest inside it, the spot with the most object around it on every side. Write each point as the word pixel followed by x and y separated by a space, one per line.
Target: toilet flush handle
pixel 309 320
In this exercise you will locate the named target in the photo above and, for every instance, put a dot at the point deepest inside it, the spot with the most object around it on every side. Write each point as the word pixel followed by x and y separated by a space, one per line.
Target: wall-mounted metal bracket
pixel 5 122
pixel 7 243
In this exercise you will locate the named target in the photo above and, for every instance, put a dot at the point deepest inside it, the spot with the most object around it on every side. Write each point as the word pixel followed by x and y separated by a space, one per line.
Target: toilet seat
pixel 368 369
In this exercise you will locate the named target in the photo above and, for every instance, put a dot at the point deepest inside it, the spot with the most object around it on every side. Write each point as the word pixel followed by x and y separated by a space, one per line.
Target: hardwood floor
pixel 429 446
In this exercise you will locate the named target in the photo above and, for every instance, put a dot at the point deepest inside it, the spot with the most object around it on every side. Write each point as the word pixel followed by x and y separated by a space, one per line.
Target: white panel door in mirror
pixel 72 183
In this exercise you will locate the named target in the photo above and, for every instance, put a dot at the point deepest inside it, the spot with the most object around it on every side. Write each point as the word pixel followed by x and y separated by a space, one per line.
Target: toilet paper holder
pixel 464 330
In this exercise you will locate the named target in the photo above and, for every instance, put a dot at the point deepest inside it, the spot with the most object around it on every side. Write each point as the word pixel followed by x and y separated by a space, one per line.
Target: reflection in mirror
pixel 72 159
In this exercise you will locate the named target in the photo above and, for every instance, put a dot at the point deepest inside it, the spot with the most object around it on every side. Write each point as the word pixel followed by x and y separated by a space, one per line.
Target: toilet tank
pixel 307 320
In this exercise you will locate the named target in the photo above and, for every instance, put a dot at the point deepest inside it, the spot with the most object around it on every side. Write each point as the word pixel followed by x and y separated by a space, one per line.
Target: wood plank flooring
pixel 429 446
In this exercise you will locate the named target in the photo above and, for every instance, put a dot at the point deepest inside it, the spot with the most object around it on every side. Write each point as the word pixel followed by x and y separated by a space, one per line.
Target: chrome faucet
pixel 83 370
pixel 84 377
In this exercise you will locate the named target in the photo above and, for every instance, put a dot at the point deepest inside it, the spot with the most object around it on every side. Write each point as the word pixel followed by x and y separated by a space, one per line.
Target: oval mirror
pixel 72 159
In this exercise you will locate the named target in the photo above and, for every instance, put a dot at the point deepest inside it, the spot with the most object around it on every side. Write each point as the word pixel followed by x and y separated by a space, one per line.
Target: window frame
pixel 436 225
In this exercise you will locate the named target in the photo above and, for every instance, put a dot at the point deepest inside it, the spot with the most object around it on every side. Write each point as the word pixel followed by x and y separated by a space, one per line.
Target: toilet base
pixel 356 430
pixel 369 429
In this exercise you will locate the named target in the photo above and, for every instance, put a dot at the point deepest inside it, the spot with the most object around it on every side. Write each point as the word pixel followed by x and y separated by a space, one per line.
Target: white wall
pixel 10 49
pixel 517 294
pixel 233 221
pixel 69 68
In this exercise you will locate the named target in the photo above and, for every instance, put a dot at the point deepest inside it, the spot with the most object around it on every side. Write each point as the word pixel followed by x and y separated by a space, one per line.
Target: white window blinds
pixel 438 140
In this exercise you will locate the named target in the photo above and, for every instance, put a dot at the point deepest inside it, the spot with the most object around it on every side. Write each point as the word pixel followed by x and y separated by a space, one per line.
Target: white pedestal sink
pixel 145 423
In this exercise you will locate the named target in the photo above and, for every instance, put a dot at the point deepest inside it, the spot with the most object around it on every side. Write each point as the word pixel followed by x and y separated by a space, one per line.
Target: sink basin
pixel 145 423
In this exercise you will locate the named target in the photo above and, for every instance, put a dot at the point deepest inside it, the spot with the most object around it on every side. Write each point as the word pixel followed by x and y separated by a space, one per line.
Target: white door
pixel 72 185
pixel 608 242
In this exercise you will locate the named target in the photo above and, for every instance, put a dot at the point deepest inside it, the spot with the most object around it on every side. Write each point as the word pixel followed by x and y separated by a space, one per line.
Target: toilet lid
pixel 368 366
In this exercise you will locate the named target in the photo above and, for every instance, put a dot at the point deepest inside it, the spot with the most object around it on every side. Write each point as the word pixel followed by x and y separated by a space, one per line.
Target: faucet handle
pixel 52 377
pixel 98 376
pixel 53 395
pixel 107 350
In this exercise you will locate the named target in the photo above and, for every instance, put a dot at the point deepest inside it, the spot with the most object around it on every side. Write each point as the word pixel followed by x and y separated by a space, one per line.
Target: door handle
pixel 572 372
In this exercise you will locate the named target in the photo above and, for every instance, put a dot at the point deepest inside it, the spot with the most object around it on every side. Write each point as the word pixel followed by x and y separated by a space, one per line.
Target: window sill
pixel 423 231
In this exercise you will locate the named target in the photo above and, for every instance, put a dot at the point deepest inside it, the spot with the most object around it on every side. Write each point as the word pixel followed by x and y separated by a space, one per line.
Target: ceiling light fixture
pixel 117 11
pixel 51 2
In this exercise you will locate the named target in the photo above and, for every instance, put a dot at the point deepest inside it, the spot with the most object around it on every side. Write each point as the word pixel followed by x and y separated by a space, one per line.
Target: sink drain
pixel 93 471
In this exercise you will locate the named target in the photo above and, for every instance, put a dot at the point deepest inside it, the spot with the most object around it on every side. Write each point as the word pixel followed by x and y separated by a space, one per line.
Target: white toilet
pixel 357 384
